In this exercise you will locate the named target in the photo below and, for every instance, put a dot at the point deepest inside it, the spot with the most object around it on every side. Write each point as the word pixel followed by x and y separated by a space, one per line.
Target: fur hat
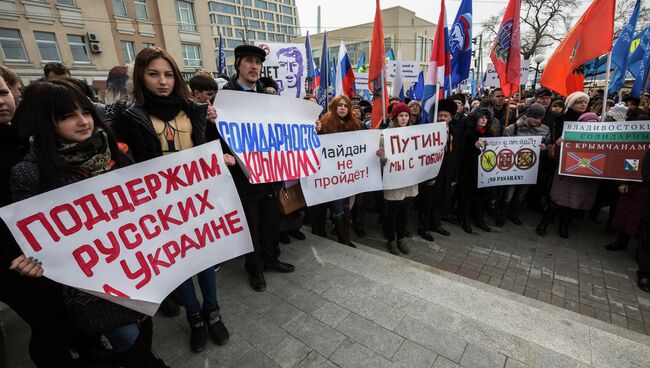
pixel 536 111
pixel 588 116
pixel 572 98
pixel 618 112
pixel 249 50
pixel 414 102
pixel 448 105
pixel 399 107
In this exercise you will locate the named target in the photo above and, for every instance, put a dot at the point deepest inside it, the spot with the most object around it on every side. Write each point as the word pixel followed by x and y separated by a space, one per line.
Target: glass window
pixel 146 45
pixel 224 20
pixel 229 32
pixel 141 10
pixel 192 55
pixel 270 27
pixel 233 43
pixel 261 36
pixel 213 19
pixel 248 12
pixel 119 8
pixel 273 7
pixel 47 46
pixel 248 2
pixel 268 16
pixel 256 14
pixel 128 51
pixel 78 49
pixel 271 37
pixel 261 4
pixel 237 21
pixel 288 2
pixel 283 29
pixel 253 24
pixel 12 45
pixel 185 16
pixel 65 2
pixel 224 8
pixel 286 10
pixel 287 19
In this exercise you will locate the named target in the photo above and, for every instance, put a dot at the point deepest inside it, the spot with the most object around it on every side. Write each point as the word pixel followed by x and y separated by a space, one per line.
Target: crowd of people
pixel 55 132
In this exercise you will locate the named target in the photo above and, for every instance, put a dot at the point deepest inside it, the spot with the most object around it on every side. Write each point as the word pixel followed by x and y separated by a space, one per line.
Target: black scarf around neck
pixel 164 107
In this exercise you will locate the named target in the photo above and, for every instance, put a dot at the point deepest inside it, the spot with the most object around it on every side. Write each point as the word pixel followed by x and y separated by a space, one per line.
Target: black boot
pixel 465 218
pixel 480 218
pixel 566 216
pixel 140 354
pixel 547 218
pixel 217 330
pixel 198 333
pixel 342 229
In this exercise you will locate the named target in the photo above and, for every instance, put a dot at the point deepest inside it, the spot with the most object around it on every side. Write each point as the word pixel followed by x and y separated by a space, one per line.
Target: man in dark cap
pixel 260 201
pixel 435 194
pixel 538 194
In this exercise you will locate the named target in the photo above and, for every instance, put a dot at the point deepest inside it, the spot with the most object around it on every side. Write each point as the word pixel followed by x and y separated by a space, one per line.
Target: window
pixel 66 2
pixel 279 38
pixel 185 16
pixel 223 19
pixel 273 7
pixel 119 8
pixel 47 46
pixel 213 19
pixel 268 16
pixel 253 24
pixel 128 51
pixel 287 19
pixel 78 49
pixel 286 10
pixel 224 8
pixel 270 27
pixel 261 4
pixel 256 14
pixel 248 12
pixel 283 29
pixel 146 45
pixel 271 37
pixel 192 55
pixel 248 2
pixel 141 11
pixel 237 21
pixel 12 45
pixel 229 32
pixel 233 43
pixel 288 2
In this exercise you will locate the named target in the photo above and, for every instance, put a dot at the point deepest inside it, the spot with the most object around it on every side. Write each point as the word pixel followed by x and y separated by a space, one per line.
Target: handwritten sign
pixel 133 235
pixel 274 137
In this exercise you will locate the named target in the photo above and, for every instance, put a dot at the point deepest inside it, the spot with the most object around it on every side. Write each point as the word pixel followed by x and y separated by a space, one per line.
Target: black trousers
pixel 643 251
pixel 430 213
pixel 39 302
pixel 359 211
pixel 397 219
pixel 263 216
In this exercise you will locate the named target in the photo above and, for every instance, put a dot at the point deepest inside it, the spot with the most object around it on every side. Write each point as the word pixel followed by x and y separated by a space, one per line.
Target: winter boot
pixel 392 247
pixel 198 333
pixel 566 216
pixel 547 218
pixel 480 219
pixel 401 245
pixel 465 217
pixel 217 330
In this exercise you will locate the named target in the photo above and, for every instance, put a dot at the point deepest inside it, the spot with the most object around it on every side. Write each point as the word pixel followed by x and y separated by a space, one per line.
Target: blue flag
pixel 644 66
pixel 634 60
pixel 311 73
pixel 621 50
pixel 223 69
pixel 323 99
pixel 473 83
pixel 361 65
pixel 460 43
pixel 418 90
pixel 390 55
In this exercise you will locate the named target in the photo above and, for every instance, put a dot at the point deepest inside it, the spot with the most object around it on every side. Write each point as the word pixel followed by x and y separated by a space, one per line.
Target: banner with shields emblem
pixel 509 161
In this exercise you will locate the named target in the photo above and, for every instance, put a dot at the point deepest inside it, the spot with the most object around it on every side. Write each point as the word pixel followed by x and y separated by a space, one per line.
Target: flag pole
pixel 435 109
pixel 384 90
pixel 507 117
pixel 609 65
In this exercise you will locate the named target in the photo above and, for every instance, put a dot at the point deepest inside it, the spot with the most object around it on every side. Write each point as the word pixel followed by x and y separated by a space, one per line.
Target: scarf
pixel 164 107
pixel 481 130
pixel 91 157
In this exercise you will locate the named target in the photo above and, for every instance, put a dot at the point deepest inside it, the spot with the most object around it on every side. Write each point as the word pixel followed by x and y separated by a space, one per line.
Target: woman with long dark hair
pixel 164 120
pixel 69 143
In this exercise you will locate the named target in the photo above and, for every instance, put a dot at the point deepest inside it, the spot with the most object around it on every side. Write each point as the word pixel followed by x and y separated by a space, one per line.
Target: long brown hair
pixel 142 62
pixel 331 121
pixel 335 101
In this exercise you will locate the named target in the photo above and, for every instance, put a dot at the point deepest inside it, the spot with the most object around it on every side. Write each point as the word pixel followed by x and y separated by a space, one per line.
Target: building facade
pixel 92 36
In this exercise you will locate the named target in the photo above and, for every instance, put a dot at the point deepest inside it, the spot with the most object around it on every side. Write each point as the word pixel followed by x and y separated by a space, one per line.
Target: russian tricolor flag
pixel 344 74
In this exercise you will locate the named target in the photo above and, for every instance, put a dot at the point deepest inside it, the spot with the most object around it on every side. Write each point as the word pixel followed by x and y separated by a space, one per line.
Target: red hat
pixel 397 108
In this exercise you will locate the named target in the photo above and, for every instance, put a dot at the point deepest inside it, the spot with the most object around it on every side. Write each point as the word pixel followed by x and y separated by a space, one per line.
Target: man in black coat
pixel 260 201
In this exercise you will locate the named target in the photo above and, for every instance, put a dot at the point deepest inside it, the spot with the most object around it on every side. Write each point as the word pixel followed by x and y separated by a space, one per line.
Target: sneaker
pixel 401 244
pixel 198 333
pixel 217 330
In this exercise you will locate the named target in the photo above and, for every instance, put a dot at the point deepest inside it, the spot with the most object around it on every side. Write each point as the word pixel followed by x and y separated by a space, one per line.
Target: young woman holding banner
pixel 397 200
pixel 162 121
pixel 339 119
pixel 69 143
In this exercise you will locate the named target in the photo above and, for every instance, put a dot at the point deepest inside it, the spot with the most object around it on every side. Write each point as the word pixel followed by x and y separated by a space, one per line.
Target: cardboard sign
pixel 286 63
pixel 134 234
pixel 273 137
pixel 492 78
pixel 607 150
pixel 414 154
pixel 509 161
pixel 349 165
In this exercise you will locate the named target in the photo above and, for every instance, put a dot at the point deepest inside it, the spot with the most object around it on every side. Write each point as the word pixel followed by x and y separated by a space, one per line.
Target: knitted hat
pixel 588 116
pixel 399 107
pixel 536 111
pixel 618 112
pixel 575 96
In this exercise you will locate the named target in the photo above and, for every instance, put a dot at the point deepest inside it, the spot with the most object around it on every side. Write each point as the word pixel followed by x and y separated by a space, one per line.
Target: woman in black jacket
pixel 69 143
pixel 165 120
pixel 473 198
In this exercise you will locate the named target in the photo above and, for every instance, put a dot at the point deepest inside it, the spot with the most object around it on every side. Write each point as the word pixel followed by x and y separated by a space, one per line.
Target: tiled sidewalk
pixel 576 273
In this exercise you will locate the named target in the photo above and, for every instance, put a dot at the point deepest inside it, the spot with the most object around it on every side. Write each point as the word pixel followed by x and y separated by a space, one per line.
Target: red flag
pixel 506 51
pixel 376 74
pixel 590 38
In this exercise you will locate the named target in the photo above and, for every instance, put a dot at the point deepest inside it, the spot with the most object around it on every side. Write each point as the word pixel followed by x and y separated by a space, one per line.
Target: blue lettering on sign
pixel 257 137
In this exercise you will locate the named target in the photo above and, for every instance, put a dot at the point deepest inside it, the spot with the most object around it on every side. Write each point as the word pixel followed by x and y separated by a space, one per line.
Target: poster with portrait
pixel 286 63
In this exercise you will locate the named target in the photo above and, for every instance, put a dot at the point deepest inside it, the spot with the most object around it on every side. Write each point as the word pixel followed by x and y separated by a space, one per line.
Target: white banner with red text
pixel 273 137
pixel 133 235
pixel 349 165
pixel 414 154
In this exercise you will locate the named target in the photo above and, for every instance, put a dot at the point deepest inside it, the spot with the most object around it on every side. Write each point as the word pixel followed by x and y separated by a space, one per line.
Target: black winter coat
pixel 450 165
pixel 469 156
pixel 132 125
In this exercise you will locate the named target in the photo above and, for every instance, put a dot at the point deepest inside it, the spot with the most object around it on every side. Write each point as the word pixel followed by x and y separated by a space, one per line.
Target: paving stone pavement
pixel 577 273
pixel 347 307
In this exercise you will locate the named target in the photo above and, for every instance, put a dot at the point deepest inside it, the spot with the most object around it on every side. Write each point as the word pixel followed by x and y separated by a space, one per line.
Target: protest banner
pixel 286 63
pixel 492 78
pixel 349 165
pixel 273 137
pixel 134 234
pixel 509 161
pixel 604 150
pixel 414 154
pixel 410 71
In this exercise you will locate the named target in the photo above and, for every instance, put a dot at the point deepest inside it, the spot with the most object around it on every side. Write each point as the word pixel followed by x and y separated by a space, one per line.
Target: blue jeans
pixel 123 337
pixel 512 198
pixel 208 283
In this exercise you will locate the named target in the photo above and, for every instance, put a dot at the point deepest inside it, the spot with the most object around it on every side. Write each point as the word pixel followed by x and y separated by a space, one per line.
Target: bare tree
pixel 623 12
pixel 543 23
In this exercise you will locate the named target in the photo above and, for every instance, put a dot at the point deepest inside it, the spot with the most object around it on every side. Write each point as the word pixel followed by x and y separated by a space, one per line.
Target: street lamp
pixel 538 60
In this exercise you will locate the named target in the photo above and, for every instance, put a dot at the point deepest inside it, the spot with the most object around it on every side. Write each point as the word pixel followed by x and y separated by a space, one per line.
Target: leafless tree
pixel 624 10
